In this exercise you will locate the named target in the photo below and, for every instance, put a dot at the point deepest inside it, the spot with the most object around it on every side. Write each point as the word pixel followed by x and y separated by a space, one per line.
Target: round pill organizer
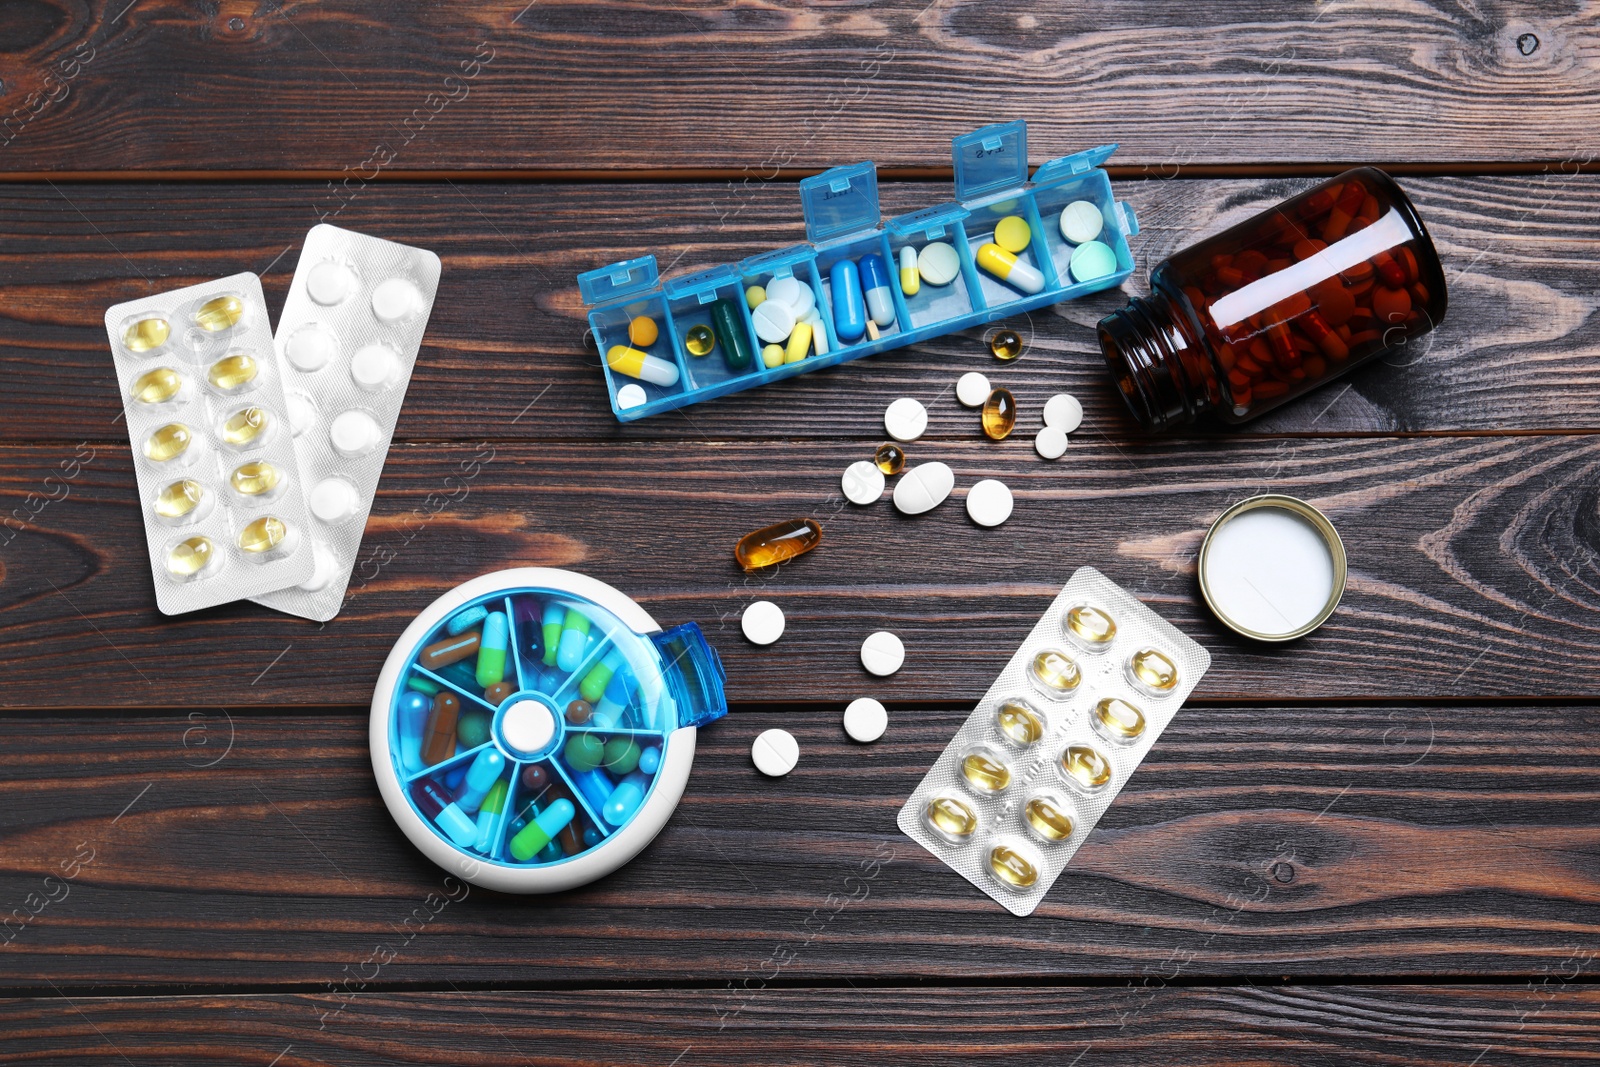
pixel 559 772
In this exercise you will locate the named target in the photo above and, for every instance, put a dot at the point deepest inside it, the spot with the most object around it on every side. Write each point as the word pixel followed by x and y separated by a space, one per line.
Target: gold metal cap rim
pixel 1329 535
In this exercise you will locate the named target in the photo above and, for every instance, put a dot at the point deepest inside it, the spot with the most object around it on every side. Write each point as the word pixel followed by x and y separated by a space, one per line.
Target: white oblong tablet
pixel 327 565
pixel 1063 412
pixel 865 720
pixel 1081 221
pixel 786 291
pixel 882 653
pixel 923 488
pixel 774 321
pixel 938 263
pixel 905 419
pixel 862 482
pixel 972 389
pixel 775 752
pixel 354 433
pixel 330 283
pixel 375 367
pixel 1050 442
pixel 396 300
pixel 333 500
pixel 302 411
pixel 311 347
pixel 989 502
pixel 762 622
pixel 631 396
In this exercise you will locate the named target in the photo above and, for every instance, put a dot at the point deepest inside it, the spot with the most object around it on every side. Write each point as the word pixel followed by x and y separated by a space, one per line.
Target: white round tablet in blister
pixel 923 488
pixel 865 719
pixel 311 347
pixel 302 411
pixel 905 419
pixel 354 433
pixel 972 389
pixel 375 367
pixel 762 622
pixel 882 653
pixel 330 283
pixel 396 300
pixel 862 482
pixel 327 566
pixel 1051 442
pixel 1063 412
pixel 333 500
pixel 775 752
pixel 989 502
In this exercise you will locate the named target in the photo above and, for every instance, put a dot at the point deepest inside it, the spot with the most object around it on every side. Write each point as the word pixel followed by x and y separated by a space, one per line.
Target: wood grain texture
pixel 1518 349
pixel 250 850
pixel 1472 564
pixel 1545 1021
pixel 750 87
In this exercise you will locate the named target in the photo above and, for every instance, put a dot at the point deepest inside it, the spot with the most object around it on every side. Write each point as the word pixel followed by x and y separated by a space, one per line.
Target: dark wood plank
pixel 1419 1026
pixel 250 849
pixel 340 87
pixel 1515 352
pixel 1470 565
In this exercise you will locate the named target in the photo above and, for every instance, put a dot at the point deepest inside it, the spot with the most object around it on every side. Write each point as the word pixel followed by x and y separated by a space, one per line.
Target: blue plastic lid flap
pixel 1056 171
pixel 694 674
pixel 779 264
pixel 990 160
pixel 840 202
pixel 930 222
pixel 627 278
pixel 703 284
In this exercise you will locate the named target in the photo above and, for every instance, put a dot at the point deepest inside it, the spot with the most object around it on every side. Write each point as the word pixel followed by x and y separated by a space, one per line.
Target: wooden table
pixel 1377 845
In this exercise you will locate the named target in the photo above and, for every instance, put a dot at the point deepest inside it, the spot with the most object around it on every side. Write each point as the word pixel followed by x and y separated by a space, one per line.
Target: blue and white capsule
pixel 875 280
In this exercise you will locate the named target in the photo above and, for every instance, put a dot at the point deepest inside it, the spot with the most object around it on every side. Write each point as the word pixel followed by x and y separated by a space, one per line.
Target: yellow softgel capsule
pixel 1085 766
pixel 950 818
pixel 255 478
pixel 179 499
pixel 244 426
pixel 219 313
pixel 1153 670
pixel 1090 626
pixel 232 373
pixel 1012 867
pixel 263 535
pixel 189 558
pixel 1005 344
pixel 168 442
pixel 643 331
pixel 157 386
pixel 146 334
pixel 778 543
pixel 1118 719
pixel 1019 723
pixel 700 340
pixel 985 772
pixel 890 458
pixel 1054 673
pixel 1047 818
pixel 755 296
pixel 999 415
pixel 1012 233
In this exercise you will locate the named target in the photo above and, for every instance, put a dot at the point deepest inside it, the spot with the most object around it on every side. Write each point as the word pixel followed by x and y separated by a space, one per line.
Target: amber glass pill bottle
pixel 1276 306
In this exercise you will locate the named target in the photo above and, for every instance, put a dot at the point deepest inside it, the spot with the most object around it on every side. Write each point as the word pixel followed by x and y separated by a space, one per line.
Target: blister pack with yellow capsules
pixel 1053 741
pixel 222 499
pixel 347 340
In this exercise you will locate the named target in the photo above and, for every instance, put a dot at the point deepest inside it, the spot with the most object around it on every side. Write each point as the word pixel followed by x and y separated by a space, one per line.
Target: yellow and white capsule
pixel 910 277
pixel 1009 269
pixel 642 365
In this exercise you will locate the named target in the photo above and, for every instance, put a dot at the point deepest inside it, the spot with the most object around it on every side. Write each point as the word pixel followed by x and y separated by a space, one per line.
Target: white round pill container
pixel 533 729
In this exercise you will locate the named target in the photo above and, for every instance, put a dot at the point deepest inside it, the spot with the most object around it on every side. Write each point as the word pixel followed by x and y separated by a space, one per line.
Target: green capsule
pixel 737 351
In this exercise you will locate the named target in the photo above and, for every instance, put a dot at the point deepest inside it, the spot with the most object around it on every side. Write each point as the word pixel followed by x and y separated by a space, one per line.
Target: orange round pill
pixel 1334 301
pixel 1390 305
pixel 642 332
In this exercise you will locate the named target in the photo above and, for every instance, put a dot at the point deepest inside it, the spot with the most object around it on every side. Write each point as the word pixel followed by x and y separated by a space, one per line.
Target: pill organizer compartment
pixel 622 292
pixel 798 262
pixel 689 302
pixel 842 221
pixel 1065 181
pixel 934 304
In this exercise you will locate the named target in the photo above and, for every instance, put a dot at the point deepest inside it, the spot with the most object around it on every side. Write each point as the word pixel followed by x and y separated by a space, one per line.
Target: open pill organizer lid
pixel 932 223
pixel 779 264
pixel 703 284
pixel 1272 568
pixel 628 277
pixel 840 203
pixel 1065 168
pixel 609 773
pixel 990 160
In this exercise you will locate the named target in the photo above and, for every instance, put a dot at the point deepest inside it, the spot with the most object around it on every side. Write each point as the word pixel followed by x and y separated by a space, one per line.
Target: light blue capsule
pixel 480 778
pixel 465 620
pixel 650 760
pixel 625 799
pixel 413 719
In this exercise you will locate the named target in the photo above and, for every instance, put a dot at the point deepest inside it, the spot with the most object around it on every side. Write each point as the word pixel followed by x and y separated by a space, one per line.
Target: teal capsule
pixel 728 322
pixel 418 684
pixel 535 836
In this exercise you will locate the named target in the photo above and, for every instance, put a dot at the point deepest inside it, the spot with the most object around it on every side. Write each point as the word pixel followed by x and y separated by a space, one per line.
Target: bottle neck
pixel 1145 346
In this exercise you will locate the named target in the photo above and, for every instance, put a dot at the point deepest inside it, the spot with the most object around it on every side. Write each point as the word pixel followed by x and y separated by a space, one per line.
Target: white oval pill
pixel 865 719
pixel 354 433
pixel 774 321
pixel 762 622
pixel 631 396
pixel 333 500
pixel 1051 442
pixel 972 389
pixel 862 482
pixel 396 300
pixel 302 411
pixel 989 503
pixel 375 367
pixel 775 752
pixel 938 263
pixel 311 347
pixel 1063 412
pixel 882 653
pixel 905 419
pixel 326 564
pixel 923 488
pixel 329 283
pixel 1081 221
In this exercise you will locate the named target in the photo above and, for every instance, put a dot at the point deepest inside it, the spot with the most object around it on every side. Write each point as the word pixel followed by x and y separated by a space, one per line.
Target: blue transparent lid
pixel 930 222
pixel 703 283
pixel 626 278
pixel 840 202
pixel 779 264
pixel 1065 168
pixel 990 160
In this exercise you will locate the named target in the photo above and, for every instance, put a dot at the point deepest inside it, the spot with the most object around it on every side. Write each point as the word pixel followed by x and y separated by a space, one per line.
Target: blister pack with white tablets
pixel 1053 741
pixel 223 503
pixel 347 340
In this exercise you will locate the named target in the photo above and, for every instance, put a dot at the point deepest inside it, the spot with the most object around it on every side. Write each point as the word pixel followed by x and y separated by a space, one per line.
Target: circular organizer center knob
pixel 528 726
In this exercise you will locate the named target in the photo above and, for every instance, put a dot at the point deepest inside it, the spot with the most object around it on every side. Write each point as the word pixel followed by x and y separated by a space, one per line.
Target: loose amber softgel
pixel 1013 866
pixel 950 818
pixel 168 443
pixel 890 458
pixel 1090 628
pixel 1019 722
pixel 1153 670
pixel 256 478
pixel 985 771
pixel 245 427
pixel 778 543
pixel 146 334
pixel 1118 720
pixel 1005 344
pixel 264 535
pixel 191 558
pixel 1085 767
pixel 1054 673
pixel 233 373
pixel 179 500
pixel 1048 817
pixel 219 313
pixel 700 340
pixel 999 415
pixel 157 386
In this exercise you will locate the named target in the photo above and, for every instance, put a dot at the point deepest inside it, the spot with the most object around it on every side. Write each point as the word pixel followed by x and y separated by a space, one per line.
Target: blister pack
pixel 347 340
pixel 1050 745
pixel 223 504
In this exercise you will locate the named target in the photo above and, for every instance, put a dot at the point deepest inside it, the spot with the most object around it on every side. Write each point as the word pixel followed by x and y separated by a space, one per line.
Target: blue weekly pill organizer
pixel 533 729
pixel 866 285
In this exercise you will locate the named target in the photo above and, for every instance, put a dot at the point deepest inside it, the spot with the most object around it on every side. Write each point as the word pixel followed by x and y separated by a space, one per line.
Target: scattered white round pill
pixel 923 488
pixel 1063 412
pixel 302 411
pixel 354 433
pixel 375 367
pixel 327 565
pixel 311 347
pixel 865 720
pixel 882 653
pixel 972 389
pixel 989 502
pixel 773 320
pixel 333 500
pixel 762 622
pixel 775 752
pixel 862 482
pixel 631 396
pixel 1051 442
pixel 938 263
pixel 396 300
pixel 1081 221
pixel 329 283
pixel 905 419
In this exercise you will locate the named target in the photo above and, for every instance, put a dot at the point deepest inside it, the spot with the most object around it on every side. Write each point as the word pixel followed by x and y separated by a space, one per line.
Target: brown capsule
pixel 999 415
pixel 439 737
pixel 450 650
pixel 778 543
pixel 579 712
pixel 534 778
pixel 496 694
